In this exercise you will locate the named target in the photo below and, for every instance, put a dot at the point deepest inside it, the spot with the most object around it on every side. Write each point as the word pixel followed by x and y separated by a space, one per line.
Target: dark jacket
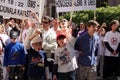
pixel 37 62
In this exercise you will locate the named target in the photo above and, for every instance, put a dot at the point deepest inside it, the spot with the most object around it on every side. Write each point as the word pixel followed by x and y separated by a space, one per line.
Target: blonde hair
pixel 2 27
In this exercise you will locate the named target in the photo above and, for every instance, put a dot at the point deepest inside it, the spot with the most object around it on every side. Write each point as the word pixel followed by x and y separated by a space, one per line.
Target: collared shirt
pixel 88 46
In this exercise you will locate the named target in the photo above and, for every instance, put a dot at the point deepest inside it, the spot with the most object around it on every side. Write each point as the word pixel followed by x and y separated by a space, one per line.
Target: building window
pixel 52 10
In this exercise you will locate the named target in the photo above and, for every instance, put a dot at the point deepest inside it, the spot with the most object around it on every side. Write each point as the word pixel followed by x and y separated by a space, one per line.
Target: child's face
pixel 102 32
pixel 37 46
pixel 14 40
pixel 62 42
pixel 114 27
pixel 93 28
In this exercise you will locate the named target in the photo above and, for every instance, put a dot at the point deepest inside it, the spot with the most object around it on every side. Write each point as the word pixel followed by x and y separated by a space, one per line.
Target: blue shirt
pixel 14 54
pixel 88 46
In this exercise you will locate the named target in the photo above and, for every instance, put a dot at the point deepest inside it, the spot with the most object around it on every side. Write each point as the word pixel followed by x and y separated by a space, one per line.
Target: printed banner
pixel 20 9
pixel 75 5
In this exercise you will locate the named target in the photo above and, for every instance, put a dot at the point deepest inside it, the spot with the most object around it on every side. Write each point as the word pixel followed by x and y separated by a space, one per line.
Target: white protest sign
pixel 66 5
pixel 20 9
pixel 42 3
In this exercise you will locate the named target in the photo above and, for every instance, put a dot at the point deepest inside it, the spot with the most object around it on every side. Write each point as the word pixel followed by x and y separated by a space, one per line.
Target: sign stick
pixel 58 15
pixel 71 13
pixel 95 14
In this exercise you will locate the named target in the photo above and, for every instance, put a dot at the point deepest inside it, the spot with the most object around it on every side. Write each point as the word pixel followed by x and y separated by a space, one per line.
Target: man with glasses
pixel 56 25
pixel 49 41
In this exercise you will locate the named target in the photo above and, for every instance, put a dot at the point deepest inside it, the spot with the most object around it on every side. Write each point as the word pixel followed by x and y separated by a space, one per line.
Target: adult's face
pixel 56 22
pixel 45 23
pixel 64 25
pixel 12 21
pixel 27 23
pixel 82 26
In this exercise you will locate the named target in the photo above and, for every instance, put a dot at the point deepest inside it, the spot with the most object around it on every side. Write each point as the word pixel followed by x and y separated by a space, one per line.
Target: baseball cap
pixel 60 36
pixel 14 34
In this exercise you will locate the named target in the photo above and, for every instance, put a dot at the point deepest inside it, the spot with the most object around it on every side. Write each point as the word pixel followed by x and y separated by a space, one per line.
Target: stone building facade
pixel 50 9
pixel 113 2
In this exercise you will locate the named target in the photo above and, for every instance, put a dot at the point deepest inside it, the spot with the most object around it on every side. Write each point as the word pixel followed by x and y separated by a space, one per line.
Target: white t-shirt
pixel 101 48
pixel 65 57
pixel 113 38
pixel 8 29
pixel 54 30
pixel 1 45
pixel 49 41
pixel 5 38
pixel 45 34
pixel 24 34
pixel 27 41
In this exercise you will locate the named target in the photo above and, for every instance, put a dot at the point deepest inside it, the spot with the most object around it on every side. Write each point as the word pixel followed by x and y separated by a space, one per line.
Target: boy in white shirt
pixel 111 59
pixel 65 63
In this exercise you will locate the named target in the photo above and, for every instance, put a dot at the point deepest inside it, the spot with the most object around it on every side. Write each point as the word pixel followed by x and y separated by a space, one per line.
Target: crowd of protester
pixel 56 49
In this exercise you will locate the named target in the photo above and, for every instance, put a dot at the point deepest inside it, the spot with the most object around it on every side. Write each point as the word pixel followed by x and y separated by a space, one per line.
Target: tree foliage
pixel 103 14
